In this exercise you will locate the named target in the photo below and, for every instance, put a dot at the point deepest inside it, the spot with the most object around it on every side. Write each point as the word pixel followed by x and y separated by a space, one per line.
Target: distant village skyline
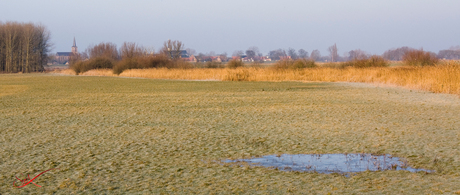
pixel 253 54
pixel 229 26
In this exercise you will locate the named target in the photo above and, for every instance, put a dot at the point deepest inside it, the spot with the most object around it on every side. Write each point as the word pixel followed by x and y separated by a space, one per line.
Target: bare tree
pixel 238 53
pixel 357 54
pixel 24 47
pixel 190 51
pixel 223 57
pixel 303 54
pixel 292 53
pixel 315 55
pixel 211 53
pixel 277 54
pixel 333 52
pixel 396 54
pixel 449 54
pixel 104 50
pixel 173 49
pixel 255 49
pixel 131 50
pixel 455 48
pixel 250 54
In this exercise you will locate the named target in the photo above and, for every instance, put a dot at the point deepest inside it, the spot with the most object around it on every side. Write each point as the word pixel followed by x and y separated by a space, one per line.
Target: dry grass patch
pixel 444 78
pixel 11 89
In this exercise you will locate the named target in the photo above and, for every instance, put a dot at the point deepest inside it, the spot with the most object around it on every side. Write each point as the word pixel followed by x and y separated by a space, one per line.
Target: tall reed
pixel 439 79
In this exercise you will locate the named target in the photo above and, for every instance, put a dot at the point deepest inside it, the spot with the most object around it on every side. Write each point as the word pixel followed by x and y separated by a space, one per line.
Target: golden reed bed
pixel 438 79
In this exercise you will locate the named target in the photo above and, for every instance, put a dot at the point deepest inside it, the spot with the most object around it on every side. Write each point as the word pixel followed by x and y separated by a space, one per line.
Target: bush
pixel 159 61
pixel 419 58
pixel 235 63
pixel 295 64
pixel 373 61
pixel 211 64
pixel 127 63
pixel 95 63
pixel 77 67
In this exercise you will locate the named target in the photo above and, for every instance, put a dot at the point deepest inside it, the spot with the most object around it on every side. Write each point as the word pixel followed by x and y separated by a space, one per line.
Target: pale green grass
pixel 140 136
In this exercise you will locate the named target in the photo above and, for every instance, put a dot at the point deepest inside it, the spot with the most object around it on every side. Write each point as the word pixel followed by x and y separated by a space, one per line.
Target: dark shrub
pixel 98 63
pixel 419 58
pixel 127 63
pixel 154 61
pixel 141 62
pixel 77 67
pixel 373 61
pixel 235 63
pixel 295 64
pixel 95 63
pixel 211 64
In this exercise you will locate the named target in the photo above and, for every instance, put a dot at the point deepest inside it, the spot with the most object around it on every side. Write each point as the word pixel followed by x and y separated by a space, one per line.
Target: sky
pixel 221 26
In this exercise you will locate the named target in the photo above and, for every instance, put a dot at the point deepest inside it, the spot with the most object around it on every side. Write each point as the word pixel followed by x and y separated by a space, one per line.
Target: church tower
pixel 74 47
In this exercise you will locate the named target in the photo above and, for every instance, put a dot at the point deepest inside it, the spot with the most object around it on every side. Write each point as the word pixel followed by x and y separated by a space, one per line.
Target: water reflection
pixel 330 163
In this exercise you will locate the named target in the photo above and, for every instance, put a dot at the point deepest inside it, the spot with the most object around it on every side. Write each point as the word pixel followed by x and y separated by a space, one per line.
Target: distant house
pixel 192 58
pixel 241 57
pixel 215 58
pixel 285 57
pixel 266 59
pixel 257 59
pixel 182 53
pixel 247 59
pixel 64 57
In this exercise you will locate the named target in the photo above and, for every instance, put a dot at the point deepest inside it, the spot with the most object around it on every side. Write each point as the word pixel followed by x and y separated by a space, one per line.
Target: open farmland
pixel 112 135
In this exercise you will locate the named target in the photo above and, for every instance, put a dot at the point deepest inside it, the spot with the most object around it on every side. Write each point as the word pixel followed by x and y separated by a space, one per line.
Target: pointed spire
pixel 74 43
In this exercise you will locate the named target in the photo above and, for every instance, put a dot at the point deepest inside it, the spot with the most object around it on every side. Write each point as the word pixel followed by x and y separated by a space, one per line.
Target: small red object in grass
pixel 27 180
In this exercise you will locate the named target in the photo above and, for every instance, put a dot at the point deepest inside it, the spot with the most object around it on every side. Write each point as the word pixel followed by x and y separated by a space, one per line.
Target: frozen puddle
pixel 330 163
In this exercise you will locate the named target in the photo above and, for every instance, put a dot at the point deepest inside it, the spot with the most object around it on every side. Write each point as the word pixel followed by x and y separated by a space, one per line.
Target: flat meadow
pixel 115 135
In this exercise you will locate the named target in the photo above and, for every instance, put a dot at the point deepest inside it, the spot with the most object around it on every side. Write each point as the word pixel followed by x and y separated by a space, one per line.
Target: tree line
pixel 128 56
pixel 24 47
pixel 396 54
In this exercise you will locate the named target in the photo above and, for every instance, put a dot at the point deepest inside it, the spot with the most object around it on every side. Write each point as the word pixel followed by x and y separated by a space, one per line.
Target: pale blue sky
pixel 225 26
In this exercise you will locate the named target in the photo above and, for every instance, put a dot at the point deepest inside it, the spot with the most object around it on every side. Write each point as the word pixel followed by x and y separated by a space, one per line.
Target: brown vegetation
pixel 149 61
pixel 364 62
pixel 294 64
pixel 235 63
pixel 94 63
pixel 105 50
pixel 172 49
pixel 129 56
pixel 440 78
pixel 24 47
pixel 419 58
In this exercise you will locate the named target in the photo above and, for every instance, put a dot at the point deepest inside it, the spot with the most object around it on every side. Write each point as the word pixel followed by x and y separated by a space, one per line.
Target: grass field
pixel 112 135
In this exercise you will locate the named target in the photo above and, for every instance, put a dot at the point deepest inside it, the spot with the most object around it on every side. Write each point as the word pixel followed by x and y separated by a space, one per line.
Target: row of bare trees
pixel 128 56
pixel 24 47
pixel 110 51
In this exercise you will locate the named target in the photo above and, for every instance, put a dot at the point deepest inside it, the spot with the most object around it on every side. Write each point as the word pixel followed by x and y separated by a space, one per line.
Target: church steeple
pixel 74 47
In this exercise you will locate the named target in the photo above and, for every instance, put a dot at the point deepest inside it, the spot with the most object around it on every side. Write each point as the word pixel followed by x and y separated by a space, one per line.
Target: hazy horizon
pixel 226 26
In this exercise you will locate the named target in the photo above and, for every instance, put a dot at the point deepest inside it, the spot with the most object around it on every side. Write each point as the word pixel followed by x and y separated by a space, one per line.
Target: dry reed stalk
pixel 185 74
pixel 439 79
